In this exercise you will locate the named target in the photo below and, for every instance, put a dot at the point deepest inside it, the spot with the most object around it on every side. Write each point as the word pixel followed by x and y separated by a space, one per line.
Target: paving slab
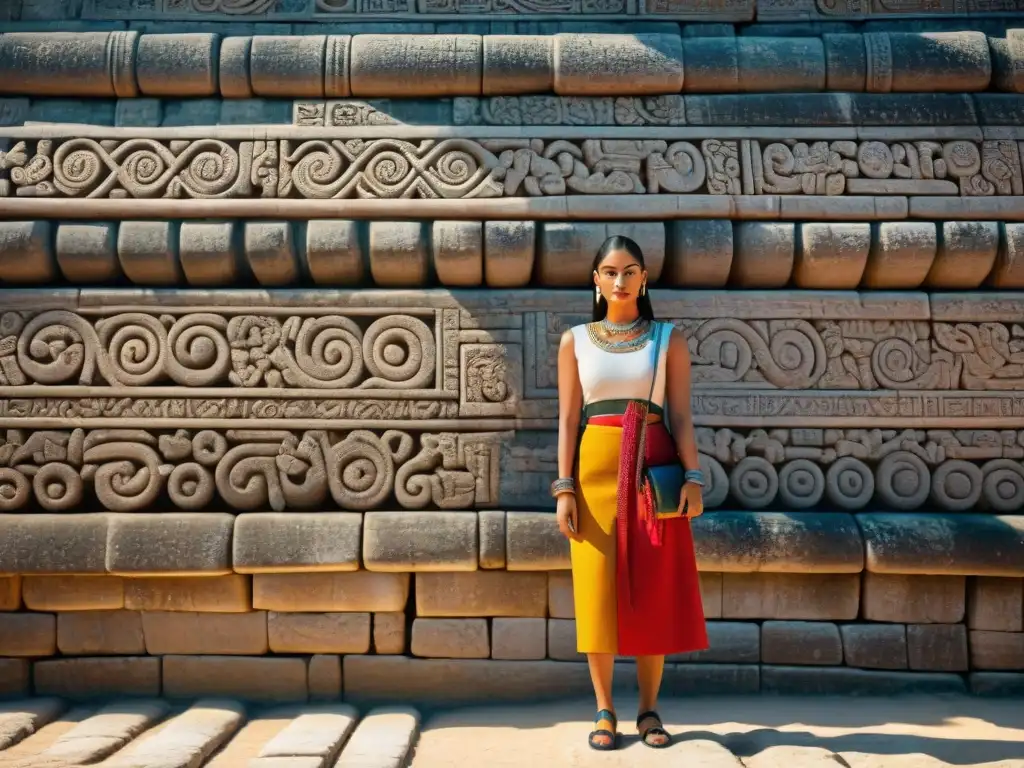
pixel 383 739
pixel 18 719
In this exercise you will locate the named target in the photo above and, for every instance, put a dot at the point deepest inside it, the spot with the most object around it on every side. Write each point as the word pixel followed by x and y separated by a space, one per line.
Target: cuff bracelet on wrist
pixel 694 476
pixel 563 485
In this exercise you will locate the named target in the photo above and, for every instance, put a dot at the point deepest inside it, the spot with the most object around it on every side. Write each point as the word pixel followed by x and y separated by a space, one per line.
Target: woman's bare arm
pixel 677 393
pixel 569 402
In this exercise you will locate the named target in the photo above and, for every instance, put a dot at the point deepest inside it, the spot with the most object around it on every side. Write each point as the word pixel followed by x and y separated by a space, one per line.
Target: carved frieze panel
pixel 771 10
pixel 465 168
pixel 134 470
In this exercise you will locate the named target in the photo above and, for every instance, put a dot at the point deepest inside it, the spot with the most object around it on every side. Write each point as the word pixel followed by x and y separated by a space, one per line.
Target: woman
pixel 635 581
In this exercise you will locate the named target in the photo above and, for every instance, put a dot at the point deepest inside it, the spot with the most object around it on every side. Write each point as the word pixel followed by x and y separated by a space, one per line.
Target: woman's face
pixel 619 277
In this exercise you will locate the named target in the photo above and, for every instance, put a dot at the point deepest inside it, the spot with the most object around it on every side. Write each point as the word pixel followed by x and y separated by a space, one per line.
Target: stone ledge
pixel 847 681
pixel 975 544
pixel 54 543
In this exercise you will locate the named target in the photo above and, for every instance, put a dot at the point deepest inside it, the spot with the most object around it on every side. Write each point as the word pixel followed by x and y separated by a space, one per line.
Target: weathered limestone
pixel 420 541
pixel 458 252
pixel 560 596
pixel 913 599
pixel 597 65
pixel 938 647
pixel 995 604
pixel 178 65
pixel 100 633
pixel 519 639
pixel 902 254
pixel 492 535
pixel 11 593
pixel 184 633
pixel 389 632
pixel 533 542
pixel 482 593
pixel 398 254
pixel 271 542
pixel 190 737
pixel 26 252
pixel 730 642
pixel 247 677
pixel 320 733
pixel 515 64
pixel 312 592
pixel 148 252
pixel 334 252
pixel 105 732
pixel 72 593
pixel 182 543
pixel 875 646
pixel 819 597
pixel 78 63
pixel 450 638
pixel 832 256
pixel 324 677
pixel 318 632
pixel 291 66
pixel 416 65
pixel 997 650
pixel 28 634
pixel 801 642
pixel 86 678
pixel 215 594
pixel 383 737
pixel 846 681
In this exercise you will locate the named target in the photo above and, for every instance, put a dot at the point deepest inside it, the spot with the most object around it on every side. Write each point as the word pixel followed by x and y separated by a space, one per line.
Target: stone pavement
pixel 741 732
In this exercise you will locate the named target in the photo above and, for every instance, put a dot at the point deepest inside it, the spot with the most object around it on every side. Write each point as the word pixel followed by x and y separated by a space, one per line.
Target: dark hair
pixel 621 243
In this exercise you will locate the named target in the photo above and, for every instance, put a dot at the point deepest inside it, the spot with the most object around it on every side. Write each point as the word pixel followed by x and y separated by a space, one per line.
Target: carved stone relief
pixel 467 168
pixel 569 110
pixel 133 470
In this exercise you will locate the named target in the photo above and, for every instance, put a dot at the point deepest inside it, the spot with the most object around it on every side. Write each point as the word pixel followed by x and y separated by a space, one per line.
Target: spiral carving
pixel 1003 485
pixel 850 483
pixel 903 480
pixel 716 482
pixel 15 489
pixel 328 353
pixel 400 353
pixel 794 358
pixel 200 355
pixel 57 487
pixel 957 485
pixel 894 363
pixel 801 484
pixel 247 477
pixel 57 346
pixel 361 468
pixel 133 348
pixel 209 447
pixel 754 482
pixel 319 172
pixel 191 486
pixel 128 475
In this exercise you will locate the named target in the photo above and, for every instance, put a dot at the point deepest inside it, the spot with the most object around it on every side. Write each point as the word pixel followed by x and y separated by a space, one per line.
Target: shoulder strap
pixel 657 360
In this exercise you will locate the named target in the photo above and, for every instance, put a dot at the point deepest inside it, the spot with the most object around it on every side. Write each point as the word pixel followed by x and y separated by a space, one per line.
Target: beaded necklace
pixel 622 345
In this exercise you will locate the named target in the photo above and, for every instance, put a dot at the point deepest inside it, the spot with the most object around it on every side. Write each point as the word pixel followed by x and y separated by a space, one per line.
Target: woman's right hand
pixel 565 506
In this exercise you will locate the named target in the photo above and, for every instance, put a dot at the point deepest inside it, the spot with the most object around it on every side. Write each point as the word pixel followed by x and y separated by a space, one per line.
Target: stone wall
pixel 282 282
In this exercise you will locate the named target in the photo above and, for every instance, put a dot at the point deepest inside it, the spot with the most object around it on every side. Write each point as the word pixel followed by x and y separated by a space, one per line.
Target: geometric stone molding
pixel 465 168
pixel 695 253
pixel 569 64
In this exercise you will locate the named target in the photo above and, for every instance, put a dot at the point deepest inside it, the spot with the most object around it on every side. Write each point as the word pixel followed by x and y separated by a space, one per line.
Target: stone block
pixel 774 109
pixel 458 253
pixel 617 65
pixel 913 599
pixel 801 642
pixel 100 633
pixel 514 64
pixel 87 251
pixel 138 113
pixel 482 593
pixel 774 64
pixel 26 252
pixel 185 113
pixel 28 634
pixel 450 638
pixel 334 252
pixel 947 543
pixel 247 678
pixel 178 65
pixel 215 594
pixel 15 678
pixel 995 604
pixel 84 64
pixel 389 632
pixel 509 248
pixel 418 66
pixel 269 542
pixel 711 594
pixel 561 603
pixel 10 593
pixel 710 679
pixel 938 61
pixel 233 72
pixel 805 542
pixel 562 644
pixel 965 254
pixel 818 596
pixel 700 253
pixel 361 591
pixel 398 253
pixel 712 65
pixel 875 646
pixel 843 681
pixel 270 251
pixel 421 541
pixel 997 683
pixel 288 66
pixel 492 539
pixel 887 109
pixel 210 253
pixel 318 632
pixel 320 733
pixel 173 543
pixel 148 252
pixel 533 542
pixel 1009 268
pixel 832 255
pixel 79 111
pixel 97 678
pixel 763 254
pixel 567 252
pixel 461 681
pixel 937 647
pixel 255 112
pixel 902 253
pixel 845 62
pixel 729 642
pixel 53 543
pixel 996 650
pixel 324 677
pixel 182 632
pixel 519 639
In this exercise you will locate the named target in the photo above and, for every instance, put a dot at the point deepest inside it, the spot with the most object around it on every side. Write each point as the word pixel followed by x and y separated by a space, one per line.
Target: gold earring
pixel 597 292
pixel 643 288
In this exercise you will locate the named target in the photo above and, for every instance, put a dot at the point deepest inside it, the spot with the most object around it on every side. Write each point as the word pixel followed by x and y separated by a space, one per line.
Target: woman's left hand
pixel 691 502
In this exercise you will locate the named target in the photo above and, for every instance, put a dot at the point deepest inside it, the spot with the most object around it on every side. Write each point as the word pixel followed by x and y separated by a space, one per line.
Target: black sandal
pixel 604 714
pixel 656 730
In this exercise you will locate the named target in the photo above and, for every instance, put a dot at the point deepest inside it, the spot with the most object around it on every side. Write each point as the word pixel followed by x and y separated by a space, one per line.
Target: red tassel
pixel 627 491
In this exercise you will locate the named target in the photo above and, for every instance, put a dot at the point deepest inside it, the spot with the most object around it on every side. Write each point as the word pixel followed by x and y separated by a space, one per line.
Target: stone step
pixel 22 718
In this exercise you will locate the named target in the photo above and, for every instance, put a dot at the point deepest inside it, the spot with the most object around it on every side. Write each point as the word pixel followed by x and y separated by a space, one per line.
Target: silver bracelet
pixel 563 485
pixel 694 476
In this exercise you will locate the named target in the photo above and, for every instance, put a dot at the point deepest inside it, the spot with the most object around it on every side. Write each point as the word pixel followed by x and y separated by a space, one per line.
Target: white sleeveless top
pixel 620 375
